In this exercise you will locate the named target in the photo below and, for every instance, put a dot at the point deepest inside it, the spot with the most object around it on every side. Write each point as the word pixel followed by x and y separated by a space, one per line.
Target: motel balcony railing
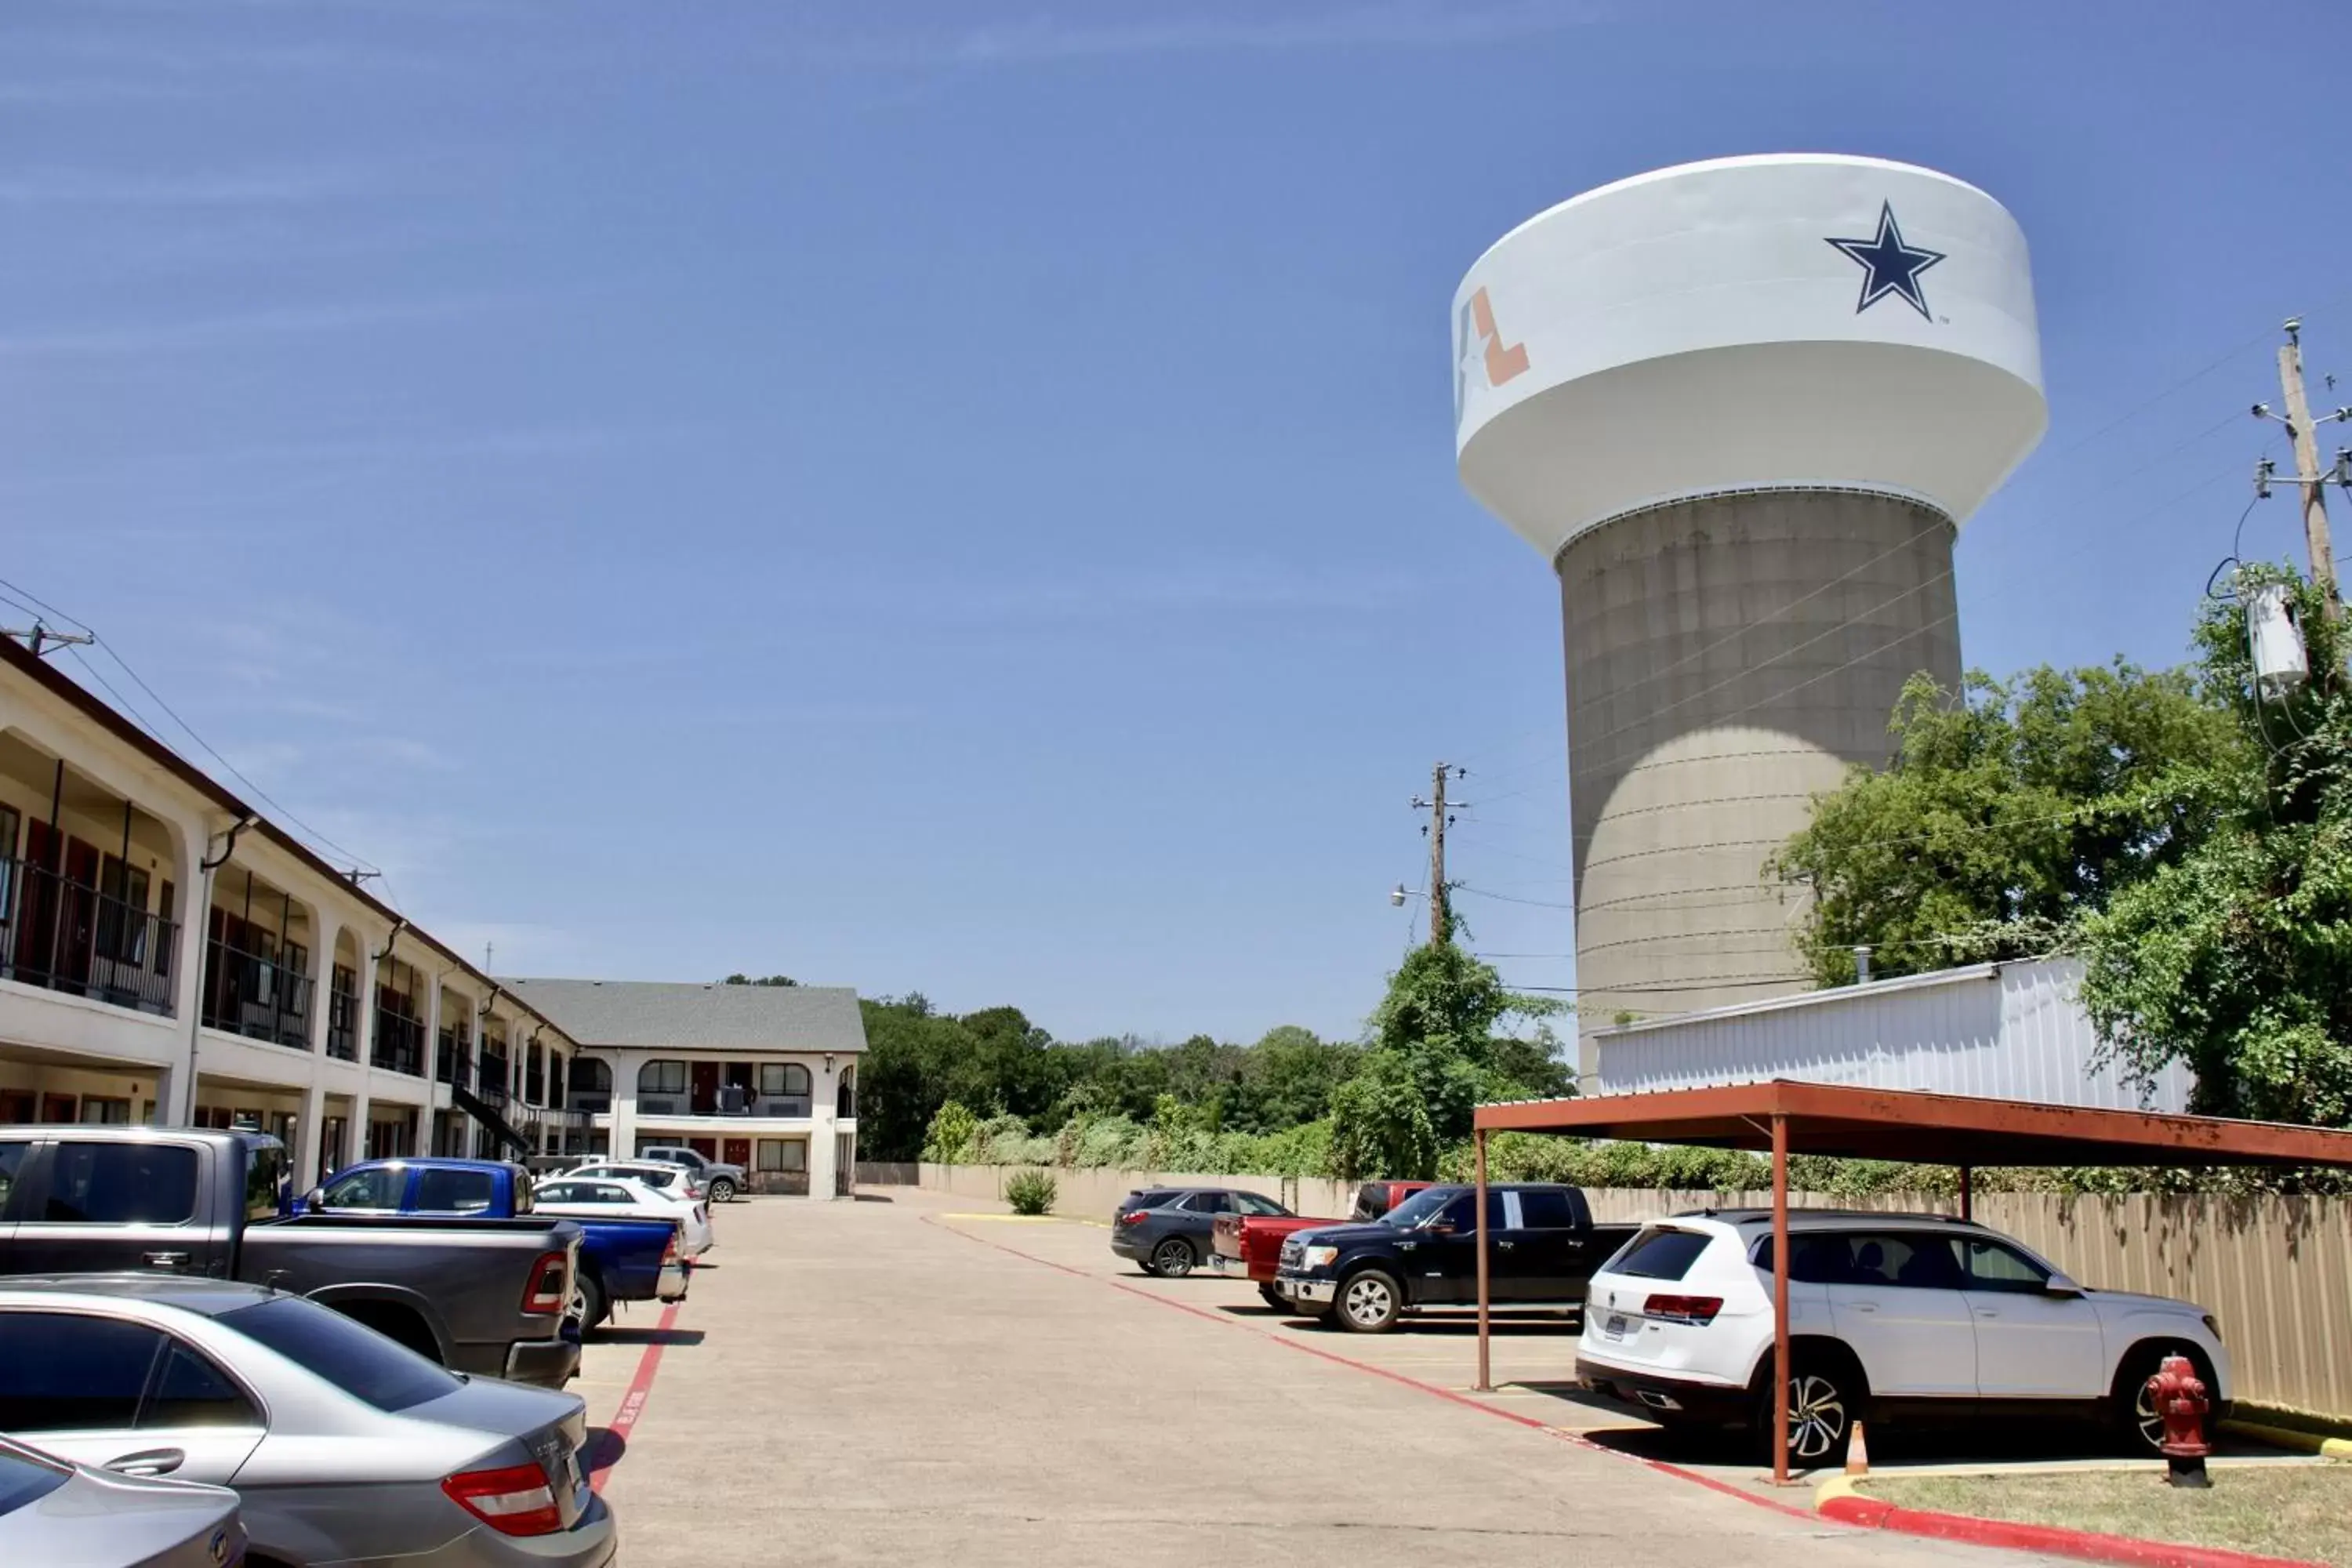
pixel 72 937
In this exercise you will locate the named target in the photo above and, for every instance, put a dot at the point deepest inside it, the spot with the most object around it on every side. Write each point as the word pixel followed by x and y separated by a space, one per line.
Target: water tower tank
pixel 1743 407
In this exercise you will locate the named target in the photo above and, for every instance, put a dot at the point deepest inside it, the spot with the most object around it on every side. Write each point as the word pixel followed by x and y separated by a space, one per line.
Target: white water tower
pixel 1743 408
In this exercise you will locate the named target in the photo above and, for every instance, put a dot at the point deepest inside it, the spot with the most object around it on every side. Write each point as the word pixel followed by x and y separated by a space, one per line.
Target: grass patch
pixel 2276 1511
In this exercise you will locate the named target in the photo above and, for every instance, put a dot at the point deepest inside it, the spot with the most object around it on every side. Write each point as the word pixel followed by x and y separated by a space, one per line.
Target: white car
pixel 604 1197
pixel 668 1179
pixel 1891 1317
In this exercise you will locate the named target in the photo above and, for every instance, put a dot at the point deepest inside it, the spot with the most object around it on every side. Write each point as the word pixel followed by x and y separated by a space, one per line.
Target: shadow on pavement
pixel 605 1447
pixel 613 1336
pixel 873 1198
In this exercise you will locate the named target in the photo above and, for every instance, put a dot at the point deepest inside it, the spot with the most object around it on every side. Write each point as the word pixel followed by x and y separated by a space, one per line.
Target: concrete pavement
pixel 884 1381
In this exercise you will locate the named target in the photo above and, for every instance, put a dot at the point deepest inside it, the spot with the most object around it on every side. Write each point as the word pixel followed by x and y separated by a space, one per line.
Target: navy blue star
pixel 1889 266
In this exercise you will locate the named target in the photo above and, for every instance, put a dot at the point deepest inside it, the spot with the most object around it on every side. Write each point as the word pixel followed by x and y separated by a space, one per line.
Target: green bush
pixel 1030 1192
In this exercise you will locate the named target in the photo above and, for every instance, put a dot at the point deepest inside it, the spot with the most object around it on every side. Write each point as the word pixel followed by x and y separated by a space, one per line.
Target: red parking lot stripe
pixel 616 1431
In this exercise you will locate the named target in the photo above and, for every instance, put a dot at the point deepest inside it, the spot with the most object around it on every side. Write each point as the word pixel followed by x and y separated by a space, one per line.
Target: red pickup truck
pixel 1252 1244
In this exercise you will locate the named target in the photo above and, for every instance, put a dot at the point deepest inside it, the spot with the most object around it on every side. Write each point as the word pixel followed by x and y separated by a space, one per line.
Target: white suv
pixel 1890 1317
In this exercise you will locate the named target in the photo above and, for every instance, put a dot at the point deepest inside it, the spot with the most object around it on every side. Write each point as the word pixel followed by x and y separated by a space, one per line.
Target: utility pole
pixel 2307 467
pixel 1441 910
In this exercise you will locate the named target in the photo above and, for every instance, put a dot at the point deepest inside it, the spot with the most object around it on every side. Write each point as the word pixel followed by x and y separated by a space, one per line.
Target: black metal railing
pixel 399 1041
pixel 69 936
pixel 588 1102
pixel 452 1062
pixel 255 996
pixel 491 1080
pixel 342 1026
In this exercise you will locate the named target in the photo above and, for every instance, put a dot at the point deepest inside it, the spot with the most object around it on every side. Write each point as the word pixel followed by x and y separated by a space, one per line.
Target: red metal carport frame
pixel 1886 1124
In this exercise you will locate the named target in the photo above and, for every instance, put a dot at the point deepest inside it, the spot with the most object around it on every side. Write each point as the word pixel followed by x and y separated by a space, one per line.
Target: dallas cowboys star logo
pixel 1889 266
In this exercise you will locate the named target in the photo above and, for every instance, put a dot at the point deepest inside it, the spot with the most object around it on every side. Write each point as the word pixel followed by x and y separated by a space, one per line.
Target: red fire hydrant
pixel 2179 1397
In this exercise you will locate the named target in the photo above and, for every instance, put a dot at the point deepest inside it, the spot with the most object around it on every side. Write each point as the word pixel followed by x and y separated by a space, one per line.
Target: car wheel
pixel 1274 1298
pixel 1172 1258
pixel 1823 1399
pixel 2139 1425
pixel 1371 1302
pixel 722 1190
pixel 587 1302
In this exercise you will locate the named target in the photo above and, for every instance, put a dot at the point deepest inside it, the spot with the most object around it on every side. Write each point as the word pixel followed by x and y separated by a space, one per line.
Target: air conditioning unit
pixel 734 1099
pixel 663 1107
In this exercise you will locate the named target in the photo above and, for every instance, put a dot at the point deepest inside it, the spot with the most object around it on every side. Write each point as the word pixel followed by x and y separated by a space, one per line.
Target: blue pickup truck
pixel 620 1259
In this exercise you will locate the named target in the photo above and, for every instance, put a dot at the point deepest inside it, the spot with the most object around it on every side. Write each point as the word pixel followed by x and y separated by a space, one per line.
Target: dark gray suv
pixel 1165 1230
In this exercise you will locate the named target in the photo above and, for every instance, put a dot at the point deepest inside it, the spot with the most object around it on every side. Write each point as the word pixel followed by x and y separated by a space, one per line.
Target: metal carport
pixel 1787 1118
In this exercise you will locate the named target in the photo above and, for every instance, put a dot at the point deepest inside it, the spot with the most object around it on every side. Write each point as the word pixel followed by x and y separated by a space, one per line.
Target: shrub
pixel 1030 1192
pixel 952 1133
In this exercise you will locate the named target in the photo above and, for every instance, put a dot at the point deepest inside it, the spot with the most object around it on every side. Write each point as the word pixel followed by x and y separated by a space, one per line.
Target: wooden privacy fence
pixel 2276 1273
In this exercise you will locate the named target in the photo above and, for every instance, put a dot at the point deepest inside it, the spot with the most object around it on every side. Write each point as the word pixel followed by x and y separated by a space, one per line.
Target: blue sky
pixel 960 497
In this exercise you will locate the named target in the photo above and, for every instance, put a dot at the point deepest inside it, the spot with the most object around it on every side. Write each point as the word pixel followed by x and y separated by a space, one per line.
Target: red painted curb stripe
pixel 1873 1513
pixel 633 1403
pixel 1578 1440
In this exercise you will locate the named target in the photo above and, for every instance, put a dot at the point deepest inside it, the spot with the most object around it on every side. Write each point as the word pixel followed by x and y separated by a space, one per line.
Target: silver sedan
pixel 68 1516
pixel 343 1444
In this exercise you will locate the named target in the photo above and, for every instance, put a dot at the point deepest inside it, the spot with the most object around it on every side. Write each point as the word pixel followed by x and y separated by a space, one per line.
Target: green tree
pixel 740 979
pixel 2008 811
pixel 1381 1124
pixel 952 1133
pixel 1442 1018
pixel 2235 956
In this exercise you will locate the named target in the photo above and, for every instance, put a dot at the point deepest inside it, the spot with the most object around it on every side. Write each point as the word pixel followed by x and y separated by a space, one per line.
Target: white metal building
pixel 2011 1031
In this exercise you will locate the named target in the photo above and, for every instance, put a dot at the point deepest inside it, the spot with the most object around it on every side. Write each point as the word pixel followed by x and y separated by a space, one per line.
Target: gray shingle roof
pixel 646 1012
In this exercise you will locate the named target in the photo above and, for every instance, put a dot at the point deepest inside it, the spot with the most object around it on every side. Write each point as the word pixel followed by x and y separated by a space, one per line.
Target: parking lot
pixel 905 1379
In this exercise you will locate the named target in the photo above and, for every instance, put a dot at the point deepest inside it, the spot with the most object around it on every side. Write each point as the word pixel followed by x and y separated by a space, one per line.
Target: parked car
pixel 478 1295
pixel 622 1258
pixel 592 1198
pixel 1891 1317
pixel 673 1179
pixel 1165 1230
pixel 720 1180
pixel 1543 1247
pixel 343 1445
pixel 55 1511
pixel 1251 1244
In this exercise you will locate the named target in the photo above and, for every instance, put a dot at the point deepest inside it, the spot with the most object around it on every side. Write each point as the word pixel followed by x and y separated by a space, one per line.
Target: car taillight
pixel 1695 1310
pixel 513 1500
pixel 669 1253
pixel 1133 1216
pixel 549 1285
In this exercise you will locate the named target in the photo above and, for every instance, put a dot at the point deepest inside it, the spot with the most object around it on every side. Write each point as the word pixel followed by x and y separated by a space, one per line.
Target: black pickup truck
pixel 1543 1251
pixel 485 1296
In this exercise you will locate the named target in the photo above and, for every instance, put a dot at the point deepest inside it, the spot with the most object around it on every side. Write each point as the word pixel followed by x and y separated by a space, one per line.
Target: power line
pixel 99 641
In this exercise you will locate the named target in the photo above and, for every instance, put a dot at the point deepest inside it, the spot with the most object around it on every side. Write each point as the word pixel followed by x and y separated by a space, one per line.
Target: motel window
pixel 662 1077
pixel 105 1112
pixel 784 1154
pixel 783 1079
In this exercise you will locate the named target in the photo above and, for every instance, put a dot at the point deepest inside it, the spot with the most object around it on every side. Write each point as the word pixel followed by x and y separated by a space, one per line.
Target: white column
pixel 624 1140
pixel 822 1161
pixel 311 1127
pixel 369 967
pixel 176 1092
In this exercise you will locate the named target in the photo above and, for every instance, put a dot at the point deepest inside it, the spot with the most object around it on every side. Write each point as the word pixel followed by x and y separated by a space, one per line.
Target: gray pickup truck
pixel 485 1296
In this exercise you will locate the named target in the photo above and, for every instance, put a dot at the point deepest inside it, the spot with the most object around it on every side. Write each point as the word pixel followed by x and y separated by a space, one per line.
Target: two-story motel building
pixel 758 1075
pixel 169 955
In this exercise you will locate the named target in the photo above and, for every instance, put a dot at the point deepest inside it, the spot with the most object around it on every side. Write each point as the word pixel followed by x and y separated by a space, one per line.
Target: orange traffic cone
pixel 1857 1453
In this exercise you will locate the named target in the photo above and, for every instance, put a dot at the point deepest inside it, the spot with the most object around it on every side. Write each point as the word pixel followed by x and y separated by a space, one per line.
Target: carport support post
pixel 1780 1299
pixel 1478 1141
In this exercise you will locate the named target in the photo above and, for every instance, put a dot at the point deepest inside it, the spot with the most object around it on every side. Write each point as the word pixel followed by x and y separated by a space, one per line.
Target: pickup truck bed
pixel 478 1296
pixel 621 1259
